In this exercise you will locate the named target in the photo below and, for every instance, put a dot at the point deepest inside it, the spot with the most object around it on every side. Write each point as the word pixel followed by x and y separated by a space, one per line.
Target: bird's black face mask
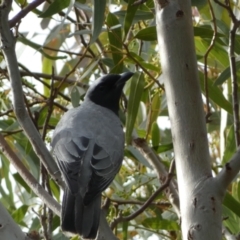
pixel 107 91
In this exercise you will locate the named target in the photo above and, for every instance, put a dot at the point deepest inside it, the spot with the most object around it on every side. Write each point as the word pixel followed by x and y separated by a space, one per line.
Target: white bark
pixel 200 194
pixel 9 230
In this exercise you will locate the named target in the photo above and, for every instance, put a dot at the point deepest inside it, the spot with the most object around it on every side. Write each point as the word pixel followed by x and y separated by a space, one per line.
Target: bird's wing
pixel 105 166
pixel 70 154
pixel 85 164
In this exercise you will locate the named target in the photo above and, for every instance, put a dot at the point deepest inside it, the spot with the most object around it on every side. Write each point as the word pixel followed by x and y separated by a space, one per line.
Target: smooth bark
pixel 200 194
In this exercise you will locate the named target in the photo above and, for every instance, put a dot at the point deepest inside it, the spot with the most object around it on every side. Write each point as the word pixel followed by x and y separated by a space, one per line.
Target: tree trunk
pixel 200 196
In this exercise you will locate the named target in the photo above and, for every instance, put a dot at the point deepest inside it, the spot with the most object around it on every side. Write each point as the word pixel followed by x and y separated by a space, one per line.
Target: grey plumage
pixel 88 144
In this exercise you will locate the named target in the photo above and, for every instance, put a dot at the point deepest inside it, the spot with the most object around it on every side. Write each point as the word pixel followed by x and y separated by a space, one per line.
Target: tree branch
pixel 28 177
pixel 229 172
pixel 24 12
pixel 8 48
pixel 208 114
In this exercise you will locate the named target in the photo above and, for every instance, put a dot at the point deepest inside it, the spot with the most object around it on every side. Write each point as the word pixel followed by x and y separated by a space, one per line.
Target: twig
pixel 24 12
pixel 28 177
pixel 124 202
pixel 67 52
pixel 208 114
pixel 57 78
pixel 50 107
pixel 8 48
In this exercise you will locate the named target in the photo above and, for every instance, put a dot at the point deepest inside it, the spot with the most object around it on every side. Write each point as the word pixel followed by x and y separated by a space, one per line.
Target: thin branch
pixel 31 6
pixel 67 52
pixel 8 48
pixel 134 202
pixel 57 78
pixel 50 107
pixel 208 114
pixel 28 177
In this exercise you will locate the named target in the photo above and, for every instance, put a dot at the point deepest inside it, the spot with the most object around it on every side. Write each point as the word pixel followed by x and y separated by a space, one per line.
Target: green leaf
pixel 38 48
pixel 164 148
pixel 19 214
pixel 137 155
pixel 157 223
pixel 230 147
pixel 139 15
pixel 55 7
pixel 55 189
pixel 230 202
pixel 216 95
pixel 141 62
pixel 131 10
pixel 155 135
pixel 226 74
pixel 75 97
pixel 98 18
pixel 147 34
pixel 115 40
pixel 136 90
pixel 155 108
pixel 20 180
pixel 125 230
pixel 204 32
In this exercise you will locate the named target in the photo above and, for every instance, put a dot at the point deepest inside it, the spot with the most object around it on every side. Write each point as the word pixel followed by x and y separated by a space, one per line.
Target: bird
pixel 88 145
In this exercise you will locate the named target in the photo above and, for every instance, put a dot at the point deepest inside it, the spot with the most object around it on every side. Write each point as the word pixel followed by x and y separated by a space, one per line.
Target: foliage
pixel 82 43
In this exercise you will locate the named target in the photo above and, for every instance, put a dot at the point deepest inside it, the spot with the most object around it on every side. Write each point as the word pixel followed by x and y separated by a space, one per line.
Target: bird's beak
pixel 124 77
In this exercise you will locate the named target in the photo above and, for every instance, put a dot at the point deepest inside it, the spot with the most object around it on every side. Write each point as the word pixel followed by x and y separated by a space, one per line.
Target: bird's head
pixel 106 91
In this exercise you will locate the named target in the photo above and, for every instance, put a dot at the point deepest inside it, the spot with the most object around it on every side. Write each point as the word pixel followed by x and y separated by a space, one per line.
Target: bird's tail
pixel 68 212
pixel 80 218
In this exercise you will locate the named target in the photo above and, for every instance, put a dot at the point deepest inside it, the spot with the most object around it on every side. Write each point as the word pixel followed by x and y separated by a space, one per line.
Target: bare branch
pixel 8 48
pixel 24 12
pixel 206 58
pixel 160 204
